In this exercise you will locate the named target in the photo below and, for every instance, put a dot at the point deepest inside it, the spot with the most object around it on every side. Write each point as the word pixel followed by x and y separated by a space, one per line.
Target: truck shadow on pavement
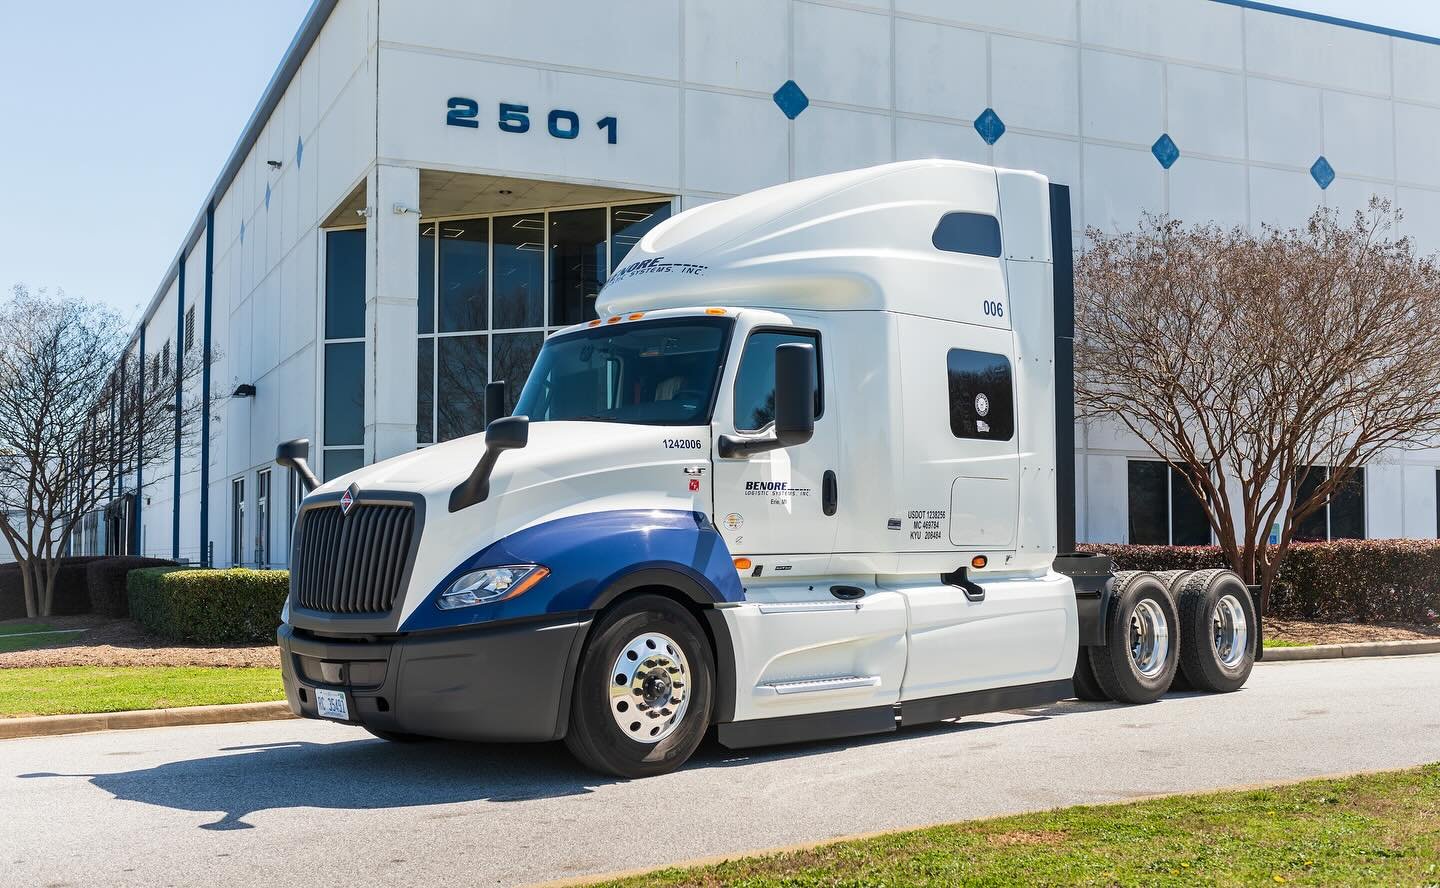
pixel 368 774
pixel 349 775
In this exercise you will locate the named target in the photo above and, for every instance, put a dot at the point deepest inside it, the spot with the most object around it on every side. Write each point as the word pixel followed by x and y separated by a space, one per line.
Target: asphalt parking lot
pixel 308 803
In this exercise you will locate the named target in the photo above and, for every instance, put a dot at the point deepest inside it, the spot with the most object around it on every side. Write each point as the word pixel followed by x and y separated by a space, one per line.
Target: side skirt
pixel 884 719
pixel 933 709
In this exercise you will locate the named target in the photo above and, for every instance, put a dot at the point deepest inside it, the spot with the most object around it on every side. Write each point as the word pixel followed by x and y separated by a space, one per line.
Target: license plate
pixel 331 704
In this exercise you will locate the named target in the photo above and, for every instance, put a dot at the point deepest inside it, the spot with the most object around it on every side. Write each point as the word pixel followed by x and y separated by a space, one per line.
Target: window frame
pixel 740 368
pixel 549 325
pixel 1360 475
pixel 1172 478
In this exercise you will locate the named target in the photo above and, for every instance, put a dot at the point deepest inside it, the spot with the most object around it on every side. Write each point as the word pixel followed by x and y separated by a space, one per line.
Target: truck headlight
pixel 490 585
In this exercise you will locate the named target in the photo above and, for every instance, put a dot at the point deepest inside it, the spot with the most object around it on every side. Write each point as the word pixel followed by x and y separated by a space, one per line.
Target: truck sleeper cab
pixel 798 480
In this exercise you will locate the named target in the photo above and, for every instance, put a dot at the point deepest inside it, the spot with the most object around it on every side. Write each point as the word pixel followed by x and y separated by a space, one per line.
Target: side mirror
pixel 794 393
pixel 295 455
pixel 495 406
pixel 508 433
pixel 794 404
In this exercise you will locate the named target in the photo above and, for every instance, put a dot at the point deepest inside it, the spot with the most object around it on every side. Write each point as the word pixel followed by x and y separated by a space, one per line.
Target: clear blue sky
pixel 116 116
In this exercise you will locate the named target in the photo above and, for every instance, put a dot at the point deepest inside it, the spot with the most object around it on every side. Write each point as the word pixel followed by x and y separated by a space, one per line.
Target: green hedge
pixel 72 593
pixel 209 606
pixel 1353 581
pixel 106 582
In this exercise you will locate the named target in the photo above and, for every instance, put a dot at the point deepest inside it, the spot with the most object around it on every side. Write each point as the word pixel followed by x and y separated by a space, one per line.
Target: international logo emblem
pixel 347 500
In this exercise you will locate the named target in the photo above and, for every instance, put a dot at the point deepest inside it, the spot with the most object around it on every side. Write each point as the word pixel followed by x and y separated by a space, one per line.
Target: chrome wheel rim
pixel 649 688
pixel 1231 634
pixel 1149 638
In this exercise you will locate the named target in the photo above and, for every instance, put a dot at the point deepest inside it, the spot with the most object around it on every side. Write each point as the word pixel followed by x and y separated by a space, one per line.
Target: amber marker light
pixel 637 315
pixel 979 562
pixel 614 320
pixel 595 323
pixel 743 564
pixel 714 311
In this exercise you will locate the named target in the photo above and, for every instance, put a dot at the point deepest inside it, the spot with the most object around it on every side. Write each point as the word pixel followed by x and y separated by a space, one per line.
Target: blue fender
pixel 593 558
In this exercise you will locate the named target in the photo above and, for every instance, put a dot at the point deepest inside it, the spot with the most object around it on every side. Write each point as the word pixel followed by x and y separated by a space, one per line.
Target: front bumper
pixel 506 682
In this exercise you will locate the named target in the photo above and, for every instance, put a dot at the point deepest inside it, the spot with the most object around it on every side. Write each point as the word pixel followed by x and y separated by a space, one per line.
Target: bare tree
pixel 78 416
pixel 1248 361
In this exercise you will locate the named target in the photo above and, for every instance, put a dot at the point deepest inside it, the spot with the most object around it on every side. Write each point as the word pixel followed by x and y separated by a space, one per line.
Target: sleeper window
pixel 755 380
pixel 982 396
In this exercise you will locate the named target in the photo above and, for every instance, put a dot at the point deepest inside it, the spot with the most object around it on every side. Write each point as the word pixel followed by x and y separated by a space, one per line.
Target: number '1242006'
pixel 561 123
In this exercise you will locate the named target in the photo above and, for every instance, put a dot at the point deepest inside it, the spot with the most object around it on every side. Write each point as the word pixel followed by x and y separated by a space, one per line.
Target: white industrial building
pixel 426 188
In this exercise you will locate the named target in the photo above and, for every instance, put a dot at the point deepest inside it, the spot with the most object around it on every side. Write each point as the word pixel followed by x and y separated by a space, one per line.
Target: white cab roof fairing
pixel 854 240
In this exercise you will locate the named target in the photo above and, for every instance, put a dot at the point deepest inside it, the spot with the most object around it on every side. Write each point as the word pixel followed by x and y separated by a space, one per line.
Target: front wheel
pixel 644 690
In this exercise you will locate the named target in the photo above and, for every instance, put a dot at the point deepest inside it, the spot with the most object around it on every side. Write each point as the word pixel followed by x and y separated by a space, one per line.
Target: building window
pixel 165 360
pixel 578 252
pixel 1163 510
pixel 344 412
pixel 492 288
pixel 982 395
pixel 630 223
pixel 237 522
pixel 189 328
pixel 755 380
pixel 262 519
pixel 1342 518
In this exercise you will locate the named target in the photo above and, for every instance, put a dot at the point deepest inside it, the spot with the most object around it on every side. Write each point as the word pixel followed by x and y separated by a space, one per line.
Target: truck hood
pixel 556 451
pixel 566 469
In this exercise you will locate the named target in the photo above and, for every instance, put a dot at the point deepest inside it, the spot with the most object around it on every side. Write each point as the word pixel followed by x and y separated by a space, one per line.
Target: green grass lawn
pixel 62 690
pixel 19 628
pixel 1282 643
pixel 1381 829
pixel 25 636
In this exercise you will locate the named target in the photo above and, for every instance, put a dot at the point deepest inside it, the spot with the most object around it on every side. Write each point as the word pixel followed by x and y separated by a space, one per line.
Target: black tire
pixel 1115 668
pixel 1174 580
pixel 1202 630
pixel 594 736
pixel 1086 687
pixel 395 736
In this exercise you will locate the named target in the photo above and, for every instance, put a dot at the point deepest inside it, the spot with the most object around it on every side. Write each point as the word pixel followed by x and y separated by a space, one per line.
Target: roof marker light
pixel 714 311
pixel 635 316
pixel 594 323
pixel 614 320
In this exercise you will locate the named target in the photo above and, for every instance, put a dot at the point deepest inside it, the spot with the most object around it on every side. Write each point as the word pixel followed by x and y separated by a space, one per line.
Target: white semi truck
pixel 799 480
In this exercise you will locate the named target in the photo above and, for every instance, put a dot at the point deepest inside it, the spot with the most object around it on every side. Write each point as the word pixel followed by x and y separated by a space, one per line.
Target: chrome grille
pixel 352 564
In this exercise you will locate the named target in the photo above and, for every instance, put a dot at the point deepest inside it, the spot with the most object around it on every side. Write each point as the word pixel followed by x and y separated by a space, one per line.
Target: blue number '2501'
pixel 560 123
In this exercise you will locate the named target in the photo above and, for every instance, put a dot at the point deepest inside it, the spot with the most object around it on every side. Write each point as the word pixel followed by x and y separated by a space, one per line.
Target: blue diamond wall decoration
pixel 791 99
pixel 1165 151
pixel 299 151
pixel 267 195
pixel 242 232
pixel 1322 172
pixel 989 126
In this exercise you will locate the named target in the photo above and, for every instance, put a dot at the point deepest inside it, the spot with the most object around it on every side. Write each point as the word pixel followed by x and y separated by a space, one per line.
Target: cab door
pixel 775 503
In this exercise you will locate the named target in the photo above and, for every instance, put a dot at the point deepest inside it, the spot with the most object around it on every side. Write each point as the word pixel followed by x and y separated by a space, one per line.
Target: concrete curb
pixel 50 725
pixel 1354 649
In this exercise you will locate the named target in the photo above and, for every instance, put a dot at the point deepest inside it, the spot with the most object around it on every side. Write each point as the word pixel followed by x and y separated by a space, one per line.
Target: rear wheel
pixel 1217 621
pixel 1138 660
pixel 1174 580
pixel 643 691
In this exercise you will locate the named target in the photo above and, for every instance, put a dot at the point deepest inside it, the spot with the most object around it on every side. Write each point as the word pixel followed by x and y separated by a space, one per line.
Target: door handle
pixel 829 493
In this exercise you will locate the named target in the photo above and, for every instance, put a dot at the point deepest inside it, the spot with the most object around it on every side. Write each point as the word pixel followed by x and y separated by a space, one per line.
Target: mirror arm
pixel 475 488
pixel 294 455
pixel 732 447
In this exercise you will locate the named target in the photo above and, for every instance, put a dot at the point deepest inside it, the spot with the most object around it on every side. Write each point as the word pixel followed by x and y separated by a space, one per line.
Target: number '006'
pixel 561 123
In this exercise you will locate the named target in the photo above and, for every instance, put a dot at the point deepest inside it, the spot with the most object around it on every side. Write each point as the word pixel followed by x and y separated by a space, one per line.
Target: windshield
pixel 661 372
